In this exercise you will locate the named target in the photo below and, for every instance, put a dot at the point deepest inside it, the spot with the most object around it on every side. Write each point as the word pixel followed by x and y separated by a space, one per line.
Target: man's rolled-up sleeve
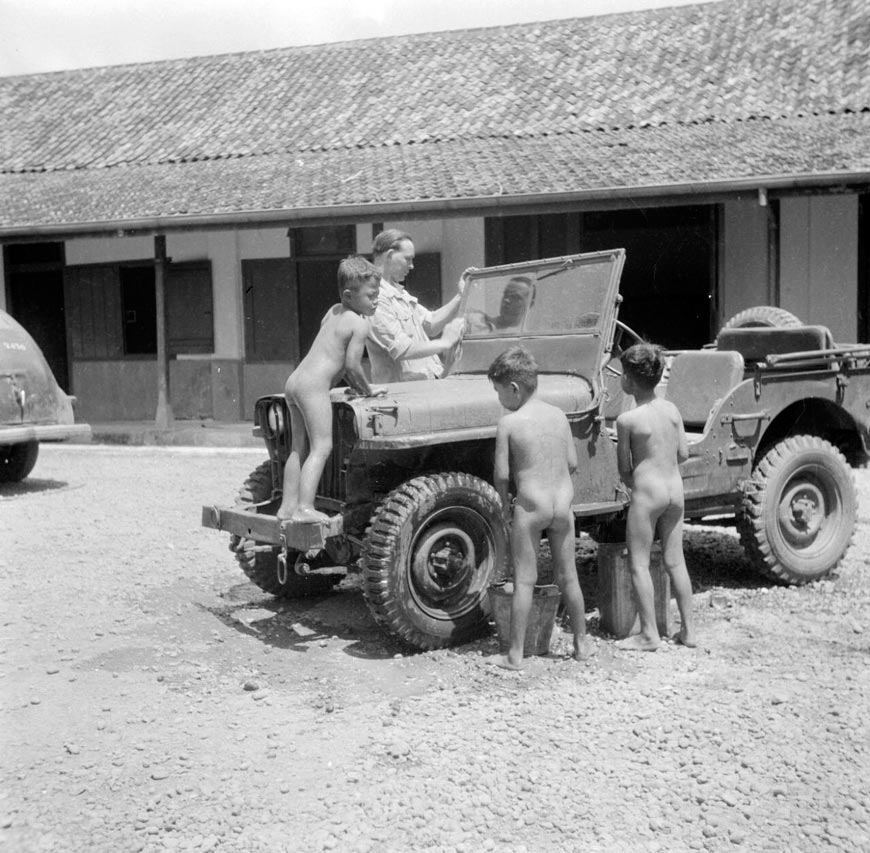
pixel 387 332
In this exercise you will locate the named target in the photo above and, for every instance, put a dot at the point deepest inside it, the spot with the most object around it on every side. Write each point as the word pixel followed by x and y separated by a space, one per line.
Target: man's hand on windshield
pixel 463 280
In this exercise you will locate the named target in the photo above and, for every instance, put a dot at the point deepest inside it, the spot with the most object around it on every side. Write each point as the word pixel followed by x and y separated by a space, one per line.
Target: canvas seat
pixel 698 380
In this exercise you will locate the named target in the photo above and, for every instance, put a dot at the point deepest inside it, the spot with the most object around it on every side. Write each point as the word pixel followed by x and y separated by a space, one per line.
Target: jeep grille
pixel 273 419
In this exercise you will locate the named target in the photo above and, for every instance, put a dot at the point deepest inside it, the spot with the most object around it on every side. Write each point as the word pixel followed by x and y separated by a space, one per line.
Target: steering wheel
pixel 612 395
pixel 621 334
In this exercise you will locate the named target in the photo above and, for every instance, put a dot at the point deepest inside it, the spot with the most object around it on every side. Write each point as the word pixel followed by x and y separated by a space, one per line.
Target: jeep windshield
pixel 558 295
pixel 562 310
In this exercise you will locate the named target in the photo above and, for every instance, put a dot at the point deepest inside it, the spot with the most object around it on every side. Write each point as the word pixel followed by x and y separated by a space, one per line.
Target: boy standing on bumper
pixel 534 446
pixel 336 350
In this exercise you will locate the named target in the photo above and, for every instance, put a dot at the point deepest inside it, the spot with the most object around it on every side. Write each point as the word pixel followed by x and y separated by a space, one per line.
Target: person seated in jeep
pixel 403 340
pixel 516 299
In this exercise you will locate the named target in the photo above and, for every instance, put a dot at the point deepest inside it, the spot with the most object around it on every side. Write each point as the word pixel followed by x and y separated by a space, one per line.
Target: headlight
pixel 275 417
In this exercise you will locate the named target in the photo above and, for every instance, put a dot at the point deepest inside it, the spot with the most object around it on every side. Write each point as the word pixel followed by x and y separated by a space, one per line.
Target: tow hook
pixel 282 567
pixel 302 566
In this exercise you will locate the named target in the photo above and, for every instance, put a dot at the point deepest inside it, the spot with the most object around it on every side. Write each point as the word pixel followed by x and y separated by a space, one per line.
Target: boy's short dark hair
pixel 645 362
pixel 355 271
pixel 515 364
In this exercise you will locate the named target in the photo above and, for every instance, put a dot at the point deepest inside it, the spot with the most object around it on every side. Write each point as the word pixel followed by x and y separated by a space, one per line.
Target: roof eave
pixel 467 206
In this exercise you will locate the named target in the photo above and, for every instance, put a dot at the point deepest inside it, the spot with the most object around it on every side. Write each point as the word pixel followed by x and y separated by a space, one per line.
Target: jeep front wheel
pixel 799 510
pixel 431 551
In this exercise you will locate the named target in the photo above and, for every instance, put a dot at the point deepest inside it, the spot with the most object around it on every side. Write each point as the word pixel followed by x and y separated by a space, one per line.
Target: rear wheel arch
pixel 818 417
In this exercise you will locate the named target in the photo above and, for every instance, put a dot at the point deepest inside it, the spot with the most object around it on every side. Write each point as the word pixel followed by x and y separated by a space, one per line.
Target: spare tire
pixel 763 315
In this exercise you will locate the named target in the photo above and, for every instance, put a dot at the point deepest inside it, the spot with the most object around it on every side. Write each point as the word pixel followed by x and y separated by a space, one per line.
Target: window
pixel 111 310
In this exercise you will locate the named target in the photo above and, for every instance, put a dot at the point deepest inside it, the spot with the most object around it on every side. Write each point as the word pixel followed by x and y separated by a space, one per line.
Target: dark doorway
pixel 318 292
pixel 669 279
pixel 668 282
pixel 34 278
pixel 140 312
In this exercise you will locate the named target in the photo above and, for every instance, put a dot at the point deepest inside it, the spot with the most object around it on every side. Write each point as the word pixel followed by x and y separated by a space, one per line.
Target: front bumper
pixel 263 528
pixel 42 432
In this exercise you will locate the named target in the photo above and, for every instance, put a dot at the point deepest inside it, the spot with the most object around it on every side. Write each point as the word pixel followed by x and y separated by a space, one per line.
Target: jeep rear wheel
pixel 432 549
pixel 260 566
pixel 799 510
pixel 17 461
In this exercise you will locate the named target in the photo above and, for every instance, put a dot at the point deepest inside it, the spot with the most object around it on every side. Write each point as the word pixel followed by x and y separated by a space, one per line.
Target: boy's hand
pixel 378 392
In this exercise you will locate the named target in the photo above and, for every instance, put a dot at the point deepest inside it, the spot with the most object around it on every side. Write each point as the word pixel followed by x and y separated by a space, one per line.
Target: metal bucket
pixel 542 619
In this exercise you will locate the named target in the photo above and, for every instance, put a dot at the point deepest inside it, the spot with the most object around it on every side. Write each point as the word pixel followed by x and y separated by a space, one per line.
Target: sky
pixel 53 35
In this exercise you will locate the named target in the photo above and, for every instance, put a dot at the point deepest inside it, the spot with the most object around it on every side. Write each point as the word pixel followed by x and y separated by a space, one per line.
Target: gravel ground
pixel 154 700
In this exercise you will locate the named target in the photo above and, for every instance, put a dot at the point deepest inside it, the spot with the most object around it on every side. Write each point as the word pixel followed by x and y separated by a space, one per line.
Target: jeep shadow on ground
pixel 34 486
pixel 713 554
pixel 299 624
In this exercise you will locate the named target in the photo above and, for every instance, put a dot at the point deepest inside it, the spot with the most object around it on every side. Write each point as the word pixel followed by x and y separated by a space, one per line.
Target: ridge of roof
pixel 459 32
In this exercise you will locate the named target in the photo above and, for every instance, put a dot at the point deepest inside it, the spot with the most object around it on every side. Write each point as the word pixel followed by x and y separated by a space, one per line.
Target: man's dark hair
pixel 389 239
pixel 354 271
pixel 645 362
pixel 515 364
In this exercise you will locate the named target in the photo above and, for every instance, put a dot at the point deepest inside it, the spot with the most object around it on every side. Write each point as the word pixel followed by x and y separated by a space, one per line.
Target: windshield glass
pixel 559 296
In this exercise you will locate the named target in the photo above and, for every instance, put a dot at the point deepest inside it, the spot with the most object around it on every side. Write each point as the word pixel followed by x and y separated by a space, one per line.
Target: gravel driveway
pixel 152 699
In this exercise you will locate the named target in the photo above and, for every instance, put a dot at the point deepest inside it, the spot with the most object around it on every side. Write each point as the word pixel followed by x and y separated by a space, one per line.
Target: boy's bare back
pixel 655 433
pixel 342 335
pixel 542 453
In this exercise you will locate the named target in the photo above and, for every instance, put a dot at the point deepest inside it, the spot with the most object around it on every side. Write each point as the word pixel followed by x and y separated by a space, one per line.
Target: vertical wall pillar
pixel 164 417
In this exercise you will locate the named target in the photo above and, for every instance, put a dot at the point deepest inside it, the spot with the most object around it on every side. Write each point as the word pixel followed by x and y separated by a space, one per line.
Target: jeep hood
pixel 444 410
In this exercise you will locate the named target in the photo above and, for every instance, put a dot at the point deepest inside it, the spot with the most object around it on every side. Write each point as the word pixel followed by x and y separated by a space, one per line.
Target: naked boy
pixel 534 445
pixel 336 350
pixel 651 444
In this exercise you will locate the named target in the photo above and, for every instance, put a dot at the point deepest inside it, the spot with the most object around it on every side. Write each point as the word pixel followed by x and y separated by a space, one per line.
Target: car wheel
pixel 763 316
pixel 432 550
pixel 799 510
pixel 17 460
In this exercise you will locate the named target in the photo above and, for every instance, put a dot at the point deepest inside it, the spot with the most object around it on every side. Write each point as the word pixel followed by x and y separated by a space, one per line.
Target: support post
pixel 164 418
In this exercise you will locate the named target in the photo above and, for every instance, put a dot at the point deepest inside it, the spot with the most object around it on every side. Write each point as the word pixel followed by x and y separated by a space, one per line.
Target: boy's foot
pixel 285 513
pixel 504 662
pixel 308 515
pixel 582 650
pixel 686 638
pixel 638 643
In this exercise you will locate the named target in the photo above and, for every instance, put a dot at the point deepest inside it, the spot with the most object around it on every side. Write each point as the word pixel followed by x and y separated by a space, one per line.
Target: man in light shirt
pixel 403 341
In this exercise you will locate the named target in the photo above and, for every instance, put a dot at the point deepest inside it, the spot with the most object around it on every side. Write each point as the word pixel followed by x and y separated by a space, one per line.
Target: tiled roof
pixel 691 94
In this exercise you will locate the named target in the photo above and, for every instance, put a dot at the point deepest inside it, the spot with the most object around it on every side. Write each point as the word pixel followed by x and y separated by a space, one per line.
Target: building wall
pixel 819 261
pixel 460 242
pixel 818 257
pixel 744 241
